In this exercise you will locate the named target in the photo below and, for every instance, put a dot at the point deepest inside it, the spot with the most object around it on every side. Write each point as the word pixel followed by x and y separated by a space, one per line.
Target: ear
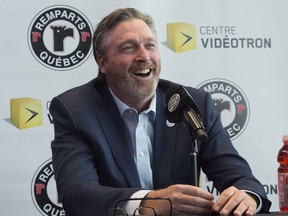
pixel 101 64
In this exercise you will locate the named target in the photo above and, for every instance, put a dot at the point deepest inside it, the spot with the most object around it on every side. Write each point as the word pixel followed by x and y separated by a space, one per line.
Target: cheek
pixel 157 61
pixel 156 57
pixel 120 64
pixel 116 68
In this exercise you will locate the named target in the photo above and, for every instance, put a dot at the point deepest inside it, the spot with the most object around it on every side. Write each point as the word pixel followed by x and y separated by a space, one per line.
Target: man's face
pixel 133 64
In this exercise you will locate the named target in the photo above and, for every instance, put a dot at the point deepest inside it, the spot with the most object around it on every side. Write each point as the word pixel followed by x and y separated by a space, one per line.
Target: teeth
pixel 145 71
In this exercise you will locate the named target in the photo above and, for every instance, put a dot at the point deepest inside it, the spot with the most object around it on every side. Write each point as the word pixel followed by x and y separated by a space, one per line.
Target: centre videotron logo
pixel 25 112
pixel 181 36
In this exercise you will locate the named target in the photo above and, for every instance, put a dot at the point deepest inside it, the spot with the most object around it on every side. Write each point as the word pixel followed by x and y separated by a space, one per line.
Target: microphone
pixel 181 107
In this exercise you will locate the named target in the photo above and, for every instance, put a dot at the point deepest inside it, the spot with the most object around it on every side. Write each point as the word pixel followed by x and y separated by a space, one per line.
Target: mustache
pixel 142 66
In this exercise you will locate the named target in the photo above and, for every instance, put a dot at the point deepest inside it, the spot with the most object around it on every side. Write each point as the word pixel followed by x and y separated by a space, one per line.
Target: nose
pixel 142 54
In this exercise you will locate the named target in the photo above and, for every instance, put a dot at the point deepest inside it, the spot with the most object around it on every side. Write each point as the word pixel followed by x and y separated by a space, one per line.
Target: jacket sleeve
pixel 74 167
pixel 221 162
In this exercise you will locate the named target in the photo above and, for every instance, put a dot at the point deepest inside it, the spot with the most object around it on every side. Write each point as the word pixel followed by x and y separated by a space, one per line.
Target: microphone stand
pixel 193 163
pixel 196 132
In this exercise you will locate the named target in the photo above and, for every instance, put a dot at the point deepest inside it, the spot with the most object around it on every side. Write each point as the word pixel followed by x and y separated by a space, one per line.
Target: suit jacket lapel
pixel 116 135
pixel 164 145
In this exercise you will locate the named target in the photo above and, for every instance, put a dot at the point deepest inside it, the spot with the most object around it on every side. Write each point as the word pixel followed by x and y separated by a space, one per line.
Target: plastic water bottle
pixel 282 159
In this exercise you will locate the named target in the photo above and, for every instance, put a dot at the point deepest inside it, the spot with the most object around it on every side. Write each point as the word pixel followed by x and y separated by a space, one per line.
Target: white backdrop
pixel 246 66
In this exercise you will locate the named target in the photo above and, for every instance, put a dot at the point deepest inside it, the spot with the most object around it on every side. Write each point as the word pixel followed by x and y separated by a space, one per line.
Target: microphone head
pixel 173 100
pixel 181 107
pixel 177 98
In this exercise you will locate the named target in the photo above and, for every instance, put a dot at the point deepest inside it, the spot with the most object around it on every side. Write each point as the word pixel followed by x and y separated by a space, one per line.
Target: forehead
pixel 131 29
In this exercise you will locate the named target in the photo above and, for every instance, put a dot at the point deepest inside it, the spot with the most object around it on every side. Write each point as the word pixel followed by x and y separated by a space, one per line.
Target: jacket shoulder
pixel 91 87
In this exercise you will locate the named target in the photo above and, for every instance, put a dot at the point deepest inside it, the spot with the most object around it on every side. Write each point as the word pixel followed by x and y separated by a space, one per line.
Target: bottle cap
pixel 285 138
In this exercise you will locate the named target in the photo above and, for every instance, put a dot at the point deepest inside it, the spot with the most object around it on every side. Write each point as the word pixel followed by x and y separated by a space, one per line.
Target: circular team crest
pixel 44 192
pixel 59 37
pixel 173 102
pixel 232 104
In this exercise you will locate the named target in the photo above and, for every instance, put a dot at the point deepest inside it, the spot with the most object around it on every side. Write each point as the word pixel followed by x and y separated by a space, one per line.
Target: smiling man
pixel 112 140
pixel 131 48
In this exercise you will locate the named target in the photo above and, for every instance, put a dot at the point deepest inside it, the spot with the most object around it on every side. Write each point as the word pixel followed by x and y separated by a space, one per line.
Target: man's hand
pixel 186 200
pixel 237 201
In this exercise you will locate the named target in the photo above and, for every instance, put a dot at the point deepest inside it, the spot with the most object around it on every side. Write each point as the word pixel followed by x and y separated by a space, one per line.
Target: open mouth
pixel 143 73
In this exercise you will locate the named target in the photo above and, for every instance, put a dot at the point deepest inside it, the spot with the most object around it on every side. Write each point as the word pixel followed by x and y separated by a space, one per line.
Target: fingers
pixel 225 196
pixel 186 199
pixel 195 204
pixel 247 206
pixel 236 201
pixel 193 191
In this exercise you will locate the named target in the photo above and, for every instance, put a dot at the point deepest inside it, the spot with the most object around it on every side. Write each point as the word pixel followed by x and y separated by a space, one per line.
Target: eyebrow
pixel 134 41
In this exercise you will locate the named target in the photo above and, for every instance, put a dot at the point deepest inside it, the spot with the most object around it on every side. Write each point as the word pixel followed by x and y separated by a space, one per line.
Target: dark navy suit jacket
pixel 93 158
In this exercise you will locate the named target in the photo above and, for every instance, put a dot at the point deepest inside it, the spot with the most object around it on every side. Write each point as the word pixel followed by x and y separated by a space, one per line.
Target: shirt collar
pixel 122 106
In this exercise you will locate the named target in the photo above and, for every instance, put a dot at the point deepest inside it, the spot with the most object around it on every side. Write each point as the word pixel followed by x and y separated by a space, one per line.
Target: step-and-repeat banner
pixel 237 50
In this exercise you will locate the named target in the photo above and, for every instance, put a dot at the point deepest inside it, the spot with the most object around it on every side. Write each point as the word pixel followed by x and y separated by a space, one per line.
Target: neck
pixel 140 104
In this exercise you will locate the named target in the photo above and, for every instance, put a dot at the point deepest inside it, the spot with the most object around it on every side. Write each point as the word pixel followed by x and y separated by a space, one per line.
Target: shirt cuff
pixel 130 206
pixel 259 201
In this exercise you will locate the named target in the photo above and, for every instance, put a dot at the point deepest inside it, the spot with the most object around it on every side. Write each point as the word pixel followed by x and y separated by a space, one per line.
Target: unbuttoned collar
pixel 122 106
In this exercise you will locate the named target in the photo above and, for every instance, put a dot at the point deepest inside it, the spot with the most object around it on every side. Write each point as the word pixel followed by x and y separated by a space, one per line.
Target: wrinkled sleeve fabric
pixel 221 162
pixel 74 166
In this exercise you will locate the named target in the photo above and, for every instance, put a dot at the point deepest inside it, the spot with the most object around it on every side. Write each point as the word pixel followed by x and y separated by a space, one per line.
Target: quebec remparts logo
pixel 232 104
pixel 59 37
pixel 44 192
